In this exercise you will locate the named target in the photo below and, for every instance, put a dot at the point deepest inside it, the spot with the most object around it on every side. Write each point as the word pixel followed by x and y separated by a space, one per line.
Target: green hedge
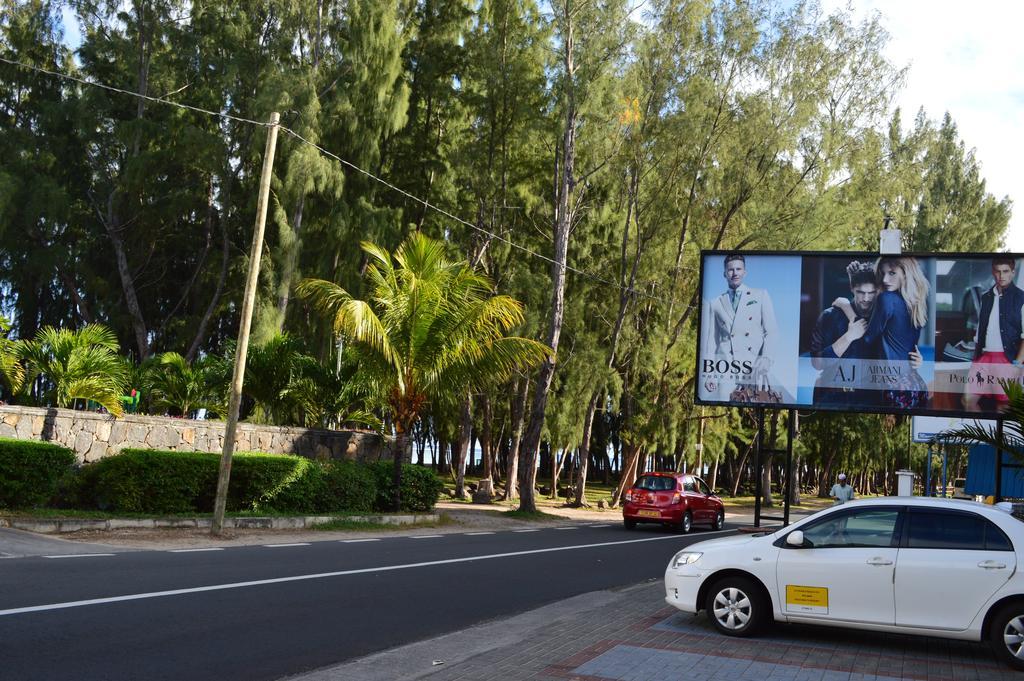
pixel 153 481
pixel 31 472
pixel 328 487
pixel 420 490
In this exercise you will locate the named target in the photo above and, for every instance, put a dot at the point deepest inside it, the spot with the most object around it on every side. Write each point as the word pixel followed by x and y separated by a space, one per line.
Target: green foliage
pixel 12 373
pixel 31 472
pixel 151 481
pixel 177 386
pixel 328 487
pixel 420 487
pixel 81 364
pixel 161 482
pixel 1011 440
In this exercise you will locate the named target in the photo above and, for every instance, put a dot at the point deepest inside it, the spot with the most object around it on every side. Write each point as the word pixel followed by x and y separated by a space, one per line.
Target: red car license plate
pixel 648 513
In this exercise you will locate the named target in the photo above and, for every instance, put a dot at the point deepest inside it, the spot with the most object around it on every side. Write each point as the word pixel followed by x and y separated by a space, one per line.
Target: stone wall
pixel 93 436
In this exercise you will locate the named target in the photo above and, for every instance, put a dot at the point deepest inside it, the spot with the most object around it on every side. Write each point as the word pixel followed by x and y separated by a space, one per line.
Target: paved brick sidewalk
pixel 636 637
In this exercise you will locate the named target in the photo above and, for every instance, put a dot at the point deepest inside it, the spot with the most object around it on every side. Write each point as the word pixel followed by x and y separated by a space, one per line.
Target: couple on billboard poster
pixel 859 332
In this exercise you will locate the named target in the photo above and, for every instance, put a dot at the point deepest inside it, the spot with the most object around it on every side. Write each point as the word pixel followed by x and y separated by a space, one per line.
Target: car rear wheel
pixel 736 607
pixel 719 520
pixel 629 524
pixel 1007 634
pixel 686 523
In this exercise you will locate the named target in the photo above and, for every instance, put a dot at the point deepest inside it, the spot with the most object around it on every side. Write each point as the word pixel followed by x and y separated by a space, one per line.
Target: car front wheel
pixel 1007 634
pixel 719 521
pixel 736 607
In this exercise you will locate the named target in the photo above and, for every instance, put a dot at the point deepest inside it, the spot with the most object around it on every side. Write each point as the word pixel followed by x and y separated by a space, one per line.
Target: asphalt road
pixel 264 612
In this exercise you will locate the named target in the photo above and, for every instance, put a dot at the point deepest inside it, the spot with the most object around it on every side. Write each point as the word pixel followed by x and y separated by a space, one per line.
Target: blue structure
pixel 981 473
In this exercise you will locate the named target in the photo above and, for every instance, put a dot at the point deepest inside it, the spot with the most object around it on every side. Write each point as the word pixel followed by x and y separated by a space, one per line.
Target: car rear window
pixel 952 530
pixel 656 483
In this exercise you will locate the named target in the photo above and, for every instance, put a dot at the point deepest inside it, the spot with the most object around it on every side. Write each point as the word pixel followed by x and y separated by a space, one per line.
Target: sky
pixel 967 59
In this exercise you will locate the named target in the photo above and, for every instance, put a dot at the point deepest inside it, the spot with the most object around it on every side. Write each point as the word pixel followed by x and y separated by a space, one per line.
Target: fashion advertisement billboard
pixel 923 334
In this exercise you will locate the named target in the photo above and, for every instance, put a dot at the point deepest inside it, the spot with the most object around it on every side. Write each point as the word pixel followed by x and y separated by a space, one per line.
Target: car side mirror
pixel 795 538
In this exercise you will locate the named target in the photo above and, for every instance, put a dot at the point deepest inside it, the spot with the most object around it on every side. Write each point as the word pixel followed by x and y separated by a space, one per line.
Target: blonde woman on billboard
pixel 899 314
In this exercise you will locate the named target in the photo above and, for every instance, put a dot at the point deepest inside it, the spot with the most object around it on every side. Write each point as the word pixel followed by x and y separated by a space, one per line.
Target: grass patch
pixel 517 514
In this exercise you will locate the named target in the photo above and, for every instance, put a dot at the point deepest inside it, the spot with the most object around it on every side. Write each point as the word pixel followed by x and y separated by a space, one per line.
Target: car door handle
pixel 879 561
pixel 991 565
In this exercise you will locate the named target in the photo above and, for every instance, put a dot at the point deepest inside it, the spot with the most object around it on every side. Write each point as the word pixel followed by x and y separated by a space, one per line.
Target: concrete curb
pixel 60 525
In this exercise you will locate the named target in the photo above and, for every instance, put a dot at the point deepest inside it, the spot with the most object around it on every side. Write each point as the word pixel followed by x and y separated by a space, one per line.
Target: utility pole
pixel 248 301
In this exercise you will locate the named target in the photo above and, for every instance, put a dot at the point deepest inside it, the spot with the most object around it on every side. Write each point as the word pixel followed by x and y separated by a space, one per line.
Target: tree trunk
pixel 766 472
pixel 400 444
pixel 465 426
pixel 588 425
pixel 487 455
pixel 518 410
pixel 629 467
pixel 563 222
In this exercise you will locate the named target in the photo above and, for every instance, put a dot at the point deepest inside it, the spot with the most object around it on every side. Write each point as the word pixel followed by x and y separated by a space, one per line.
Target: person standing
pixel 742 327
pixel 998 350
pixel 838 335
pixel 899 314
pixel 841 492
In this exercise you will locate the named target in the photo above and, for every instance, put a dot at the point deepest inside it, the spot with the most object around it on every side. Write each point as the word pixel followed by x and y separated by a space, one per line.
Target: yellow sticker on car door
pixel 810 599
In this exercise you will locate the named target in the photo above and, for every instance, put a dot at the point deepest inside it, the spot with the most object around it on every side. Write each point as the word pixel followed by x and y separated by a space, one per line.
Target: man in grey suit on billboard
pixel 742 332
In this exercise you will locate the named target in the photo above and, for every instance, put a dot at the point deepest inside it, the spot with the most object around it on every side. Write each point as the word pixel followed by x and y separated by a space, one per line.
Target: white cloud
pixel 967 59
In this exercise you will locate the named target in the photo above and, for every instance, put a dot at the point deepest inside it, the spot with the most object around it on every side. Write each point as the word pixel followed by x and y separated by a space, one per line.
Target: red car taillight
pixel 677 498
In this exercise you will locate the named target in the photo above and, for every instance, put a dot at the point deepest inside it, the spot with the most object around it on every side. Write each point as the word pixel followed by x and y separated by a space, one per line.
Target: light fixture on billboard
pixel 889 239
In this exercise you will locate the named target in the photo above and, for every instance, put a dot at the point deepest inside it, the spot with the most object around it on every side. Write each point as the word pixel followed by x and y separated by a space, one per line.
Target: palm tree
pixel 12 373
pixel 81 364
pixel 1011 439
pixel 178 386
pixel 429 329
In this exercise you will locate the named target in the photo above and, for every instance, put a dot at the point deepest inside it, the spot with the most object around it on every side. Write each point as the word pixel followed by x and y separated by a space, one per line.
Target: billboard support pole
pixel 758 462
pixel 790 432
pixel 999 462
pixel 945 451
pixel 928 474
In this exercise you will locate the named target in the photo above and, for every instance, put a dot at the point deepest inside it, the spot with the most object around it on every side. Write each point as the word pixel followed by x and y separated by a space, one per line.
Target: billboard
pixel 924 428
pixel 929 334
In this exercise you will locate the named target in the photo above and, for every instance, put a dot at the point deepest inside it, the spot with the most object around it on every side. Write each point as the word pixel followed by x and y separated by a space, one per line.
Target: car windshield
pixel 656 483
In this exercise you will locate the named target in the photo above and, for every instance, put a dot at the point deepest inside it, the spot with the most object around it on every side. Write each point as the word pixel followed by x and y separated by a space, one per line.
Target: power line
pixel 263 124
pixel 148 98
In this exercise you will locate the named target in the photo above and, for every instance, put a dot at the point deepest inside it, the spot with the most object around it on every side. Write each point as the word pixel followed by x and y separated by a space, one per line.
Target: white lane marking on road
pixel 356 541
pixel 477 534
pixel 319 575
pixel 425 536
pixel 284 546
pixel 521 531
pixel 80 555
pixel 566 528
pixel 209 548
pixel 600 525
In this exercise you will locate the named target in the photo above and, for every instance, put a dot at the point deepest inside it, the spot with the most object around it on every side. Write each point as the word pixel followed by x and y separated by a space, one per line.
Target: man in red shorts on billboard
pixel 998 349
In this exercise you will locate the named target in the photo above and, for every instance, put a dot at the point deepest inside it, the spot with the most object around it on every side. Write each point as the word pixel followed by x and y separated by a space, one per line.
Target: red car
pixel 675 500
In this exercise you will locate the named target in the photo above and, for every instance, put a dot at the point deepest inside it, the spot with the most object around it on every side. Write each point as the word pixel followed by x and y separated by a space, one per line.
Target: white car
pixel 910 565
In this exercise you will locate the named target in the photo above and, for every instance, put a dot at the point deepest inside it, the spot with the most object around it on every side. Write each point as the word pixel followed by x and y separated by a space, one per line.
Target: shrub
pixel 30 471
pixel 151 481
pixel 420 487
pixel 331 486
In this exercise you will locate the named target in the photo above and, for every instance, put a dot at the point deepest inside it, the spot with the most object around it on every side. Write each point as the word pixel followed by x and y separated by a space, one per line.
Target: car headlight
pixel 685 558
